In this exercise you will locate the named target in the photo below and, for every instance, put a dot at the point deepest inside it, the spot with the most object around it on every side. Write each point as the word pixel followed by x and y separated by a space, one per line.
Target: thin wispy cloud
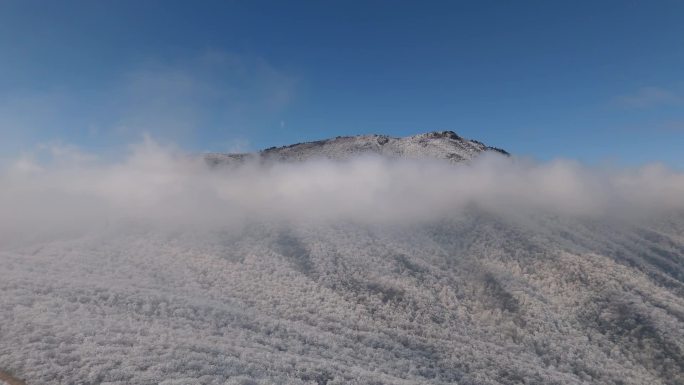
pixel 216 89
pixel 649 97
pixel 674 125
pixel 215 93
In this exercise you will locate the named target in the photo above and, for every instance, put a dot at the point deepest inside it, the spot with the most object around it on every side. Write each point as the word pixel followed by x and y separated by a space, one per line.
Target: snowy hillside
pixel 474 300
pixel 377 270
pixel 438 145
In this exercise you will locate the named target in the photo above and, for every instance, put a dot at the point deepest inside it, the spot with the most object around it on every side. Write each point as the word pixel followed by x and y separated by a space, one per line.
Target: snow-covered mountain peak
pixel 438 145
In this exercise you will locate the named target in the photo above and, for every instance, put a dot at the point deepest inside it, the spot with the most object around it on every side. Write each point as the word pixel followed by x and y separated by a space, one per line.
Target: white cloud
pixel 163 185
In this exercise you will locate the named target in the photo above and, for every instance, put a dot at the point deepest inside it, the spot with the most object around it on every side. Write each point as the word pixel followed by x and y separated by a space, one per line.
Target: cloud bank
pixel 61 188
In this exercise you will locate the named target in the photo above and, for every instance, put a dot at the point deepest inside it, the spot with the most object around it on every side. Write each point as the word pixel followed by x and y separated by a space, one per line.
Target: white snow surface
pixel 475 300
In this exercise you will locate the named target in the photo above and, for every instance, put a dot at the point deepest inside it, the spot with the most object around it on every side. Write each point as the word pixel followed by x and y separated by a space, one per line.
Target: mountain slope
pixel 462 292
pixel 478 299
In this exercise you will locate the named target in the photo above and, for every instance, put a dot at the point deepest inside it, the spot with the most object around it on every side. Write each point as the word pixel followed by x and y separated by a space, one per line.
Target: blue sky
pixel 597 81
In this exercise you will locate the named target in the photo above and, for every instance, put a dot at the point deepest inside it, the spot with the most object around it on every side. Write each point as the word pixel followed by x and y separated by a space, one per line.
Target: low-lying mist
pixel 62 189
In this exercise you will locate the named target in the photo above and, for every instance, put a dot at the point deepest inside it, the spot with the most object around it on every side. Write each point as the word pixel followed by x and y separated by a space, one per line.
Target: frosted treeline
pixel 506 289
